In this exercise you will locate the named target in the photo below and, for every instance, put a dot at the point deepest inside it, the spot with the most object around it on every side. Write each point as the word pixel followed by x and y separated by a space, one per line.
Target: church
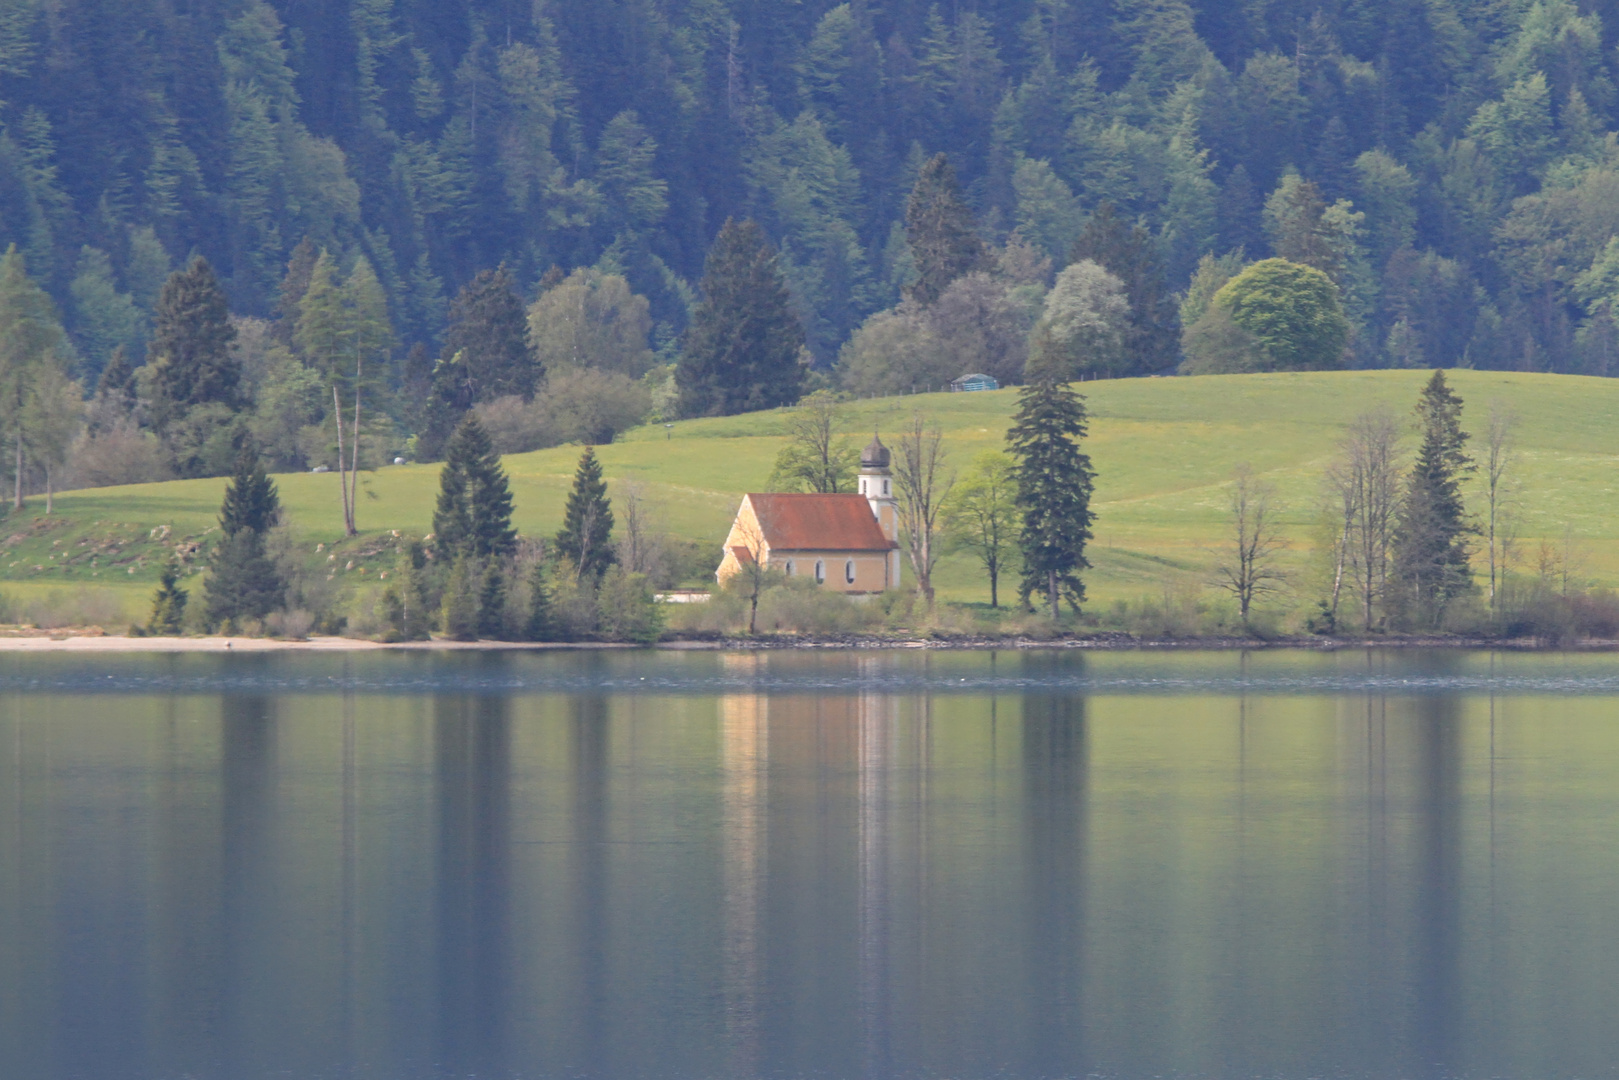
pixel 849 543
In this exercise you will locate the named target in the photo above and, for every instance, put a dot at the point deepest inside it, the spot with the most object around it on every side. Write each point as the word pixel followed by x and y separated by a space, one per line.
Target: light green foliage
pixel 1210 277
pixel 1293 313
pixel 1048 214
pixel 626 608
pixel 981 516
pixel 1516 132
pixel 894 352
pixel 1387 190
pixel 106 317
pixel 626 169
pixel 1082 330
pixel 591 320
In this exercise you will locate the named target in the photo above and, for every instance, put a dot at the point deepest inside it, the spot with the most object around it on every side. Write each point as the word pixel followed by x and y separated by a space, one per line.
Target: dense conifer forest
pixel 1108 167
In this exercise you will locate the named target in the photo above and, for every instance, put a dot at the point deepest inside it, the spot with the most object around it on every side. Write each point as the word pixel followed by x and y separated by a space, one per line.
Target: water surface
pixel 809 865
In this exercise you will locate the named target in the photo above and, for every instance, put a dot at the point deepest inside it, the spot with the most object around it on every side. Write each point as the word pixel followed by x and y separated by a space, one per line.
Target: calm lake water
pixel 809 865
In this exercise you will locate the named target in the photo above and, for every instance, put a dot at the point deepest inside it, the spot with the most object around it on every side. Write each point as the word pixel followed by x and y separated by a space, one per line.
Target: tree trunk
pixel 1051 590
pixel 994 597
pixel 354 470
pixel 16 502
pixel 342 472
pixel 49 493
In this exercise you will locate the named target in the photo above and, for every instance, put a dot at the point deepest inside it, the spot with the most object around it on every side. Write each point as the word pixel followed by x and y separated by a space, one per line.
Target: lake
pixel 809 864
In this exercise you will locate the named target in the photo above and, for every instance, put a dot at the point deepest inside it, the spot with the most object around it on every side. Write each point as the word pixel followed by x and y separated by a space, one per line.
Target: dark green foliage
pixel 941 231
pixel 587 523
pixel 1055 479
pixel 488 336
pixel 492 602
pixel 191 346
pixel 474 513
pixel 541 624
pixel 169 602
pixel 245 583
pixel 1431 551
pixel 251 501
pixel 117 382
pixel 741 353
pixel 459 617
pixel 1131 255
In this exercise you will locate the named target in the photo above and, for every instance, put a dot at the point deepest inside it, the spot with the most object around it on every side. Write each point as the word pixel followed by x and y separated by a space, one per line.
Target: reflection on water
pixel 847 865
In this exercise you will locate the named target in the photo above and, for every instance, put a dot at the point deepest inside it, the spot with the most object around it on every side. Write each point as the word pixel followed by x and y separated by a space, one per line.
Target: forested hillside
pixel 1447 164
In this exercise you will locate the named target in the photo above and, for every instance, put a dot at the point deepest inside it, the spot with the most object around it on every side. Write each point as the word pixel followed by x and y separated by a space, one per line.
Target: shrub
pixel 626 609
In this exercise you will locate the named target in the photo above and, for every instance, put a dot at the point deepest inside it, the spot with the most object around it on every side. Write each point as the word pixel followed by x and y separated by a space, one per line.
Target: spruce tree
pixel 191 346
pixel 1129 253
pixel 169 602
pixel 300 266
pixel 541 626
pixel 1054 479
pixel 488 330
pixel 474 512
pixel 492 603
pixel 245 583
pixel 742 350
pixel 587 524
pixel 942 234
pixel 117 382
pixel 1431 552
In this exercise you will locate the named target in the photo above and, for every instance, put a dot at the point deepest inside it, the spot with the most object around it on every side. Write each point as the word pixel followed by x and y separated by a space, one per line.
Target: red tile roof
pixel 819 523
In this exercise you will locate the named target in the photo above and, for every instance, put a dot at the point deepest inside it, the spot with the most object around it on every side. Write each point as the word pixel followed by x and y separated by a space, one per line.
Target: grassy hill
pixel 1164 450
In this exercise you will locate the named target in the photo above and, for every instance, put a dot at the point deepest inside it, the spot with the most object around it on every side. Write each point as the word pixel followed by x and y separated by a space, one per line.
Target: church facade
pixel 847 543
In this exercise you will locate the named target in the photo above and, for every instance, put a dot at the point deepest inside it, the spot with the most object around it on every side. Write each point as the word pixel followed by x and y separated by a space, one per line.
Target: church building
pixel 849 543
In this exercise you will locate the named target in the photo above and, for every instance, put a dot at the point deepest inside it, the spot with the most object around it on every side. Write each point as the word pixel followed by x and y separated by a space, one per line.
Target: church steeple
pixel 877 485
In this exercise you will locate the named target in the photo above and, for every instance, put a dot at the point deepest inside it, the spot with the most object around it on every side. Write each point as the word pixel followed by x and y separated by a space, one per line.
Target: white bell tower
pixel 877 485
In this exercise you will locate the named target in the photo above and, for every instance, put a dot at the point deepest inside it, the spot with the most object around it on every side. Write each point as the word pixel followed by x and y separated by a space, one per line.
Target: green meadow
pixel 1164 451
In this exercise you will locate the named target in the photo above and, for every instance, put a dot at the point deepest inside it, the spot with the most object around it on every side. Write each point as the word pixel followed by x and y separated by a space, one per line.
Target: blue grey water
pixel 824 864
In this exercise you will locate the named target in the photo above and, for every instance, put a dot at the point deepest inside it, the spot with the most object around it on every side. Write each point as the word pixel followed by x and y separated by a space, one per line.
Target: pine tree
pixel 942 234
pixel 300 267
pixel 251 499
pixel 492 603
pixel 1431 552
pixel 1055 480
pixel 191 346
pixel 541 625
pixel 474 513
pixel 1130 254
pixel 245 583
pixel 169 602
pixel 587 523
pixel 488 330
pixel 117 382
pixel 742 349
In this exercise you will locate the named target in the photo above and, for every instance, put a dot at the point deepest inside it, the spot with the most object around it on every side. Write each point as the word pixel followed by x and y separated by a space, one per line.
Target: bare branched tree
pixel 641 546
pixel 923 485
pixel 1365 483
pixel 754 574
pixel 1250 571
pixel 1500 453
pixel 815 458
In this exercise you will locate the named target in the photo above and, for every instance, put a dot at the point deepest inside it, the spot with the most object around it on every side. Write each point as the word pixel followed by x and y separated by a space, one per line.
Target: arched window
pixel 820 571
pixel 848 571
pixel 789 568
pixel 885 487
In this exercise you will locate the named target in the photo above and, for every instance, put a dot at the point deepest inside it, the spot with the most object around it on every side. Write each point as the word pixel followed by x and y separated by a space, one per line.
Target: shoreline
pixel 94 641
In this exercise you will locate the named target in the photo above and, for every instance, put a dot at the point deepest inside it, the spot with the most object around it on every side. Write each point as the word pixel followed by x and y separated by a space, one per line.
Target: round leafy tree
pixel 1292 313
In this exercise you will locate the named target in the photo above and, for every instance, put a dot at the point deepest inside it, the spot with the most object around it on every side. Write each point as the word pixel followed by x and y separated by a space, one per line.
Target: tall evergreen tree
pixel 1055 480
pixel 488 331
pixel 742 350
pixel 587 523
pixel 245 583
pixel 474 513
pixel 169 601
pixel 1130 254
pixel 1431 551
pixel 117 381
pixel 941 231
pixel 191 346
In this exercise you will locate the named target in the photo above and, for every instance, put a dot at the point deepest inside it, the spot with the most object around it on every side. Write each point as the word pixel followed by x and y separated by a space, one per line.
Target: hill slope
pixel 1164 450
